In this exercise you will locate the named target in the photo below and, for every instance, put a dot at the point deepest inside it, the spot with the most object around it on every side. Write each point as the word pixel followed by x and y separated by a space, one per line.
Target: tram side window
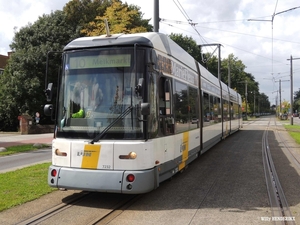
pixel 193 108
pixel 231 111
pixel 225 110
pixel 211 116
pixel 181 107
pixel 206 109
pixel 235 111
pixel 217 109
pixel 166 118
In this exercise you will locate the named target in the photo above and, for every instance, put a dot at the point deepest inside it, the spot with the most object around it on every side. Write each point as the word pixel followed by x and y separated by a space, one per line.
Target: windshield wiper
pixel 121 116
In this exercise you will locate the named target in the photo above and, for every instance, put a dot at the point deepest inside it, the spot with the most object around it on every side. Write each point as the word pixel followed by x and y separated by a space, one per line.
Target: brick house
pixel 3 62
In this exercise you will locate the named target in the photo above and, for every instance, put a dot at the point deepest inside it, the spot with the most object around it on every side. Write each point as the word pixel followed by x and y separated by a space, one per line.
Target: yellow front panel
pixel 90 156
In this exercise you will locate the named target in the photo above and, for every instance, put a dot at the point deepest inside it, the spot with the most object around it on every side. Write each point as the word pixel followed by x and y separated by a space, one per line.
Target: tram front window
pixel 96 88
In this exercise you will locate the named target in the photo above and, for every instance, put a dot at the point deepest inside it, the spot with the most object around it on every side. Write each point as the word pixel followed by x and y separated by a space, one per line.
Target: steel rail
pixel 83 196
pixel 54 210
pixel 278 203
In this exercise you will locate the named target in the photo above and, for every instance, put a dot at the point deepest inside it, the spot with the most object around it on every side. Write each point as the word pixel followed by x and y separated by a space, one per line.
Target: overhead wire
pixel 189 20
pixel 193 25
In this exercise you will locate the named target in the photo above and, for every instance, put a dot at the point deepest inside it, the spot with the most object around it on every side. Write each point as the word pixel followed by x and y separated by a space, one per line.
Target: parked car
pixel 194 120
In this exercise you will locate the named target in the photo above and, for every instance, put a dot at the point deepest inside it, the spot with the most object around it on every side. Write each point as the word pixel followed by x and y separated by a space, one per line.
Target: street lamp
pixel 254 103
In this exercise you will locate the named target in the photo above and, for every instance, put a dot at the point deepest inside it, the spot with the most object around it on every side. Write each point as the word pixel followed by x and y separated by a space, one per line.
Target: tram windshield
pixel 97 86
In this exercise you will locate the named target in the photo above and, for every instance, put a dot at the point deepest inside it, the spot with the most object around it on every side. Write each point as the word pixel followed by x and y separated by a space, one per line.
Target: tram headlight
pixel 131 155
pixel 60 153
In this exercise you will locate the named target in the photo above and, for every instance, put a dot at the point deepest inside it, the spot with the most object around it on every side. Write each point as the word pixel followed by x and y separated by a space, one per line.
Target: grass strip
pixel 22 148
pixel 294 131
pixel 23 185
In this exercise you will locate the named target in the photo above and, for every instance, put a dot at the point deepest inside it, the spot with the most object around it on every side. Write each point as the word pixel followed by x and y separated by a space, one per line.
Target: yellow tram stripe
pixel 185 150
pixel 90 156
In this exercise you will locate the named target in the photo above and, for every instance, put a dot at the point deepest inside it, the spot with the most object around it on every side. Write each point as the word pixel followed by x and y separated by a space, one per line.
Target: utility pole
pixel 229 75
pixel 280 94
pixel 292 96
pixel 156 16
pixel 254 103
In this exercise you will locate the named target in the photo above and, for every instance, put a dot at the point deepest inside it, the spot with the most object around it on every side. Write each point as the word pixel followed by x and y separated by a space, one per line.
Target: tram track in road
pixel 82 202
pixel 278 203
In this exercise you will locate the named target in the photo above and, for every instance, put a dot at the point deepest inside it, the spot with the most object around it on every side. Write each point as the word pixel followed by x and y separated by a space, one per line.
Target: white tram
pixel 132 111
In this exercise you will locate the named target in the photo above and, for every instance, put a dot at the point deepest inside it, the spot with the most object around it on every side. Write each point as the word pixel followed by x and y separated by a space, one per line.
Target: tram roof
pixel 158 41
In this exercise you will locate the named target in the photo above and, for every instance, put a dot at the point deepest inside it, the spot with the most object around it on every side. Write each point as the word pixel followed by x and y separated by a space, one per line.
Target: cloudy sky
pixel 262 49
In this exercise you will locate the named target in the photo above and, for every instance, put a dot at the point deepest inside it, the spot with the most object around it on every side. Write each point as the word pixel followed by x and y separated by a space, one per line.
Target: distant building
pixel 3 62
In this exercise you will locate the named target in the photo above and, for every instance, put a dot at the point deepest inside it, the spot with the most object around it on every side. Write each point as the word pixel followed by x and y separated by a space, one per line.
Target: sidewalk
pixel 13 139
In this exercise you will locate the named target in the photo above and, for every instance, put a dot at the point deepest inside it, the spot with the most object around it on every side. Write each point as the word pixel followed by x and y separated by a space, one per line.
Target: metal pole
pixel 219 62
pixel 246 94
pixel 229 75
pixel 291 109
pixel 280 97
pixel 254 104
pixel 156 16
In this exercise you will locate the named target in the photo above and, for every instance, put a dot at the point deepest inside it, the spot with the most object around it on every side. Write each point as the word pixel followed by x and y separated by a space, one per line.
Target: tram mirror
pixel 48 92
pixel 145 109
pixel 48 109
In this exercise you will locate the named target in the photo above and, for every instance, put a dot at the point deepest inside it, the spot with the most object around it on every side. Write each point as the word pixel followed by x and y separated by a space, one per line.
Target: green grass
pixel 294 131
pixel 21 148
pixel 23 185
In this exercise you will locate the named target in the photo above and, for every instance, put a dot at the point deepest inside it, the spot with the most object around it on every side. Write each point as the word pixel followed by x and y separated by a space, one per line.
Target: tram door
pixel 166 119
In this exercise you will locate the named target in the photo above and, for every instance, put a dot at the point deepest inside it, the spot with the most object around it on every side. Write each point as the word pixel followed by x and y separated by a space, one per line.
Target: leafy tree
pixel 296 105
pixel 80 12
pixel 122 18
pixel 22 84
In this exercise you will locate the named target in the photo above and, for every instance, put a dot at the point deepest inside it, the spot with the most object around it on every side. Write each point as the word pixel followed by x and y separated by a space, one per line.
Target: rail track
pixel 280 208
pixel 83 199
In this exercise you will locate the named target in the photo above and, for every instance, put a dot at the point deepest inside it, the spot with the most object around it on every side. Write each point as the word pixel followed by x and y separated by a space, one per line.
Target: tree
pixel 22 84
pixel 80 12
pixel 296 105
pixel 122 18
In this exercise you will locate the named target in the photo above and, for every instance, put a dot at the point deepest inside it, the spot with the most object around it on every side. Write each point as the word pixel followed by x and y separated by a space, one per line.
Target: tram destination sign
pixel 99 61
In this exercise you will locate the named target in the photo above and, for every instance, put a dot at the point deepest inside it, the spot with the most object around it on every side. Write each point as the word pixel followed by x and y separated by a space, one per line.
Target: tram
pixel 132 111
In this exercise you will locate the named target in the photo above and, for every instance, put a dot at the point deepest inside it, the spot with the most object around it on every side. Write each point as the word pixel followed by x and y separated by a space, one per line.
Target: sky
pixel 262 34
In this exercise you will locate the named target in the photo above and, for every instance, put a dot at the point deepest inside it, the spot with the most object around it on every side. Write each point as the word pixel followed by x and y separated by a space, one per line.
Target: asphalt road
pixel 17 161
